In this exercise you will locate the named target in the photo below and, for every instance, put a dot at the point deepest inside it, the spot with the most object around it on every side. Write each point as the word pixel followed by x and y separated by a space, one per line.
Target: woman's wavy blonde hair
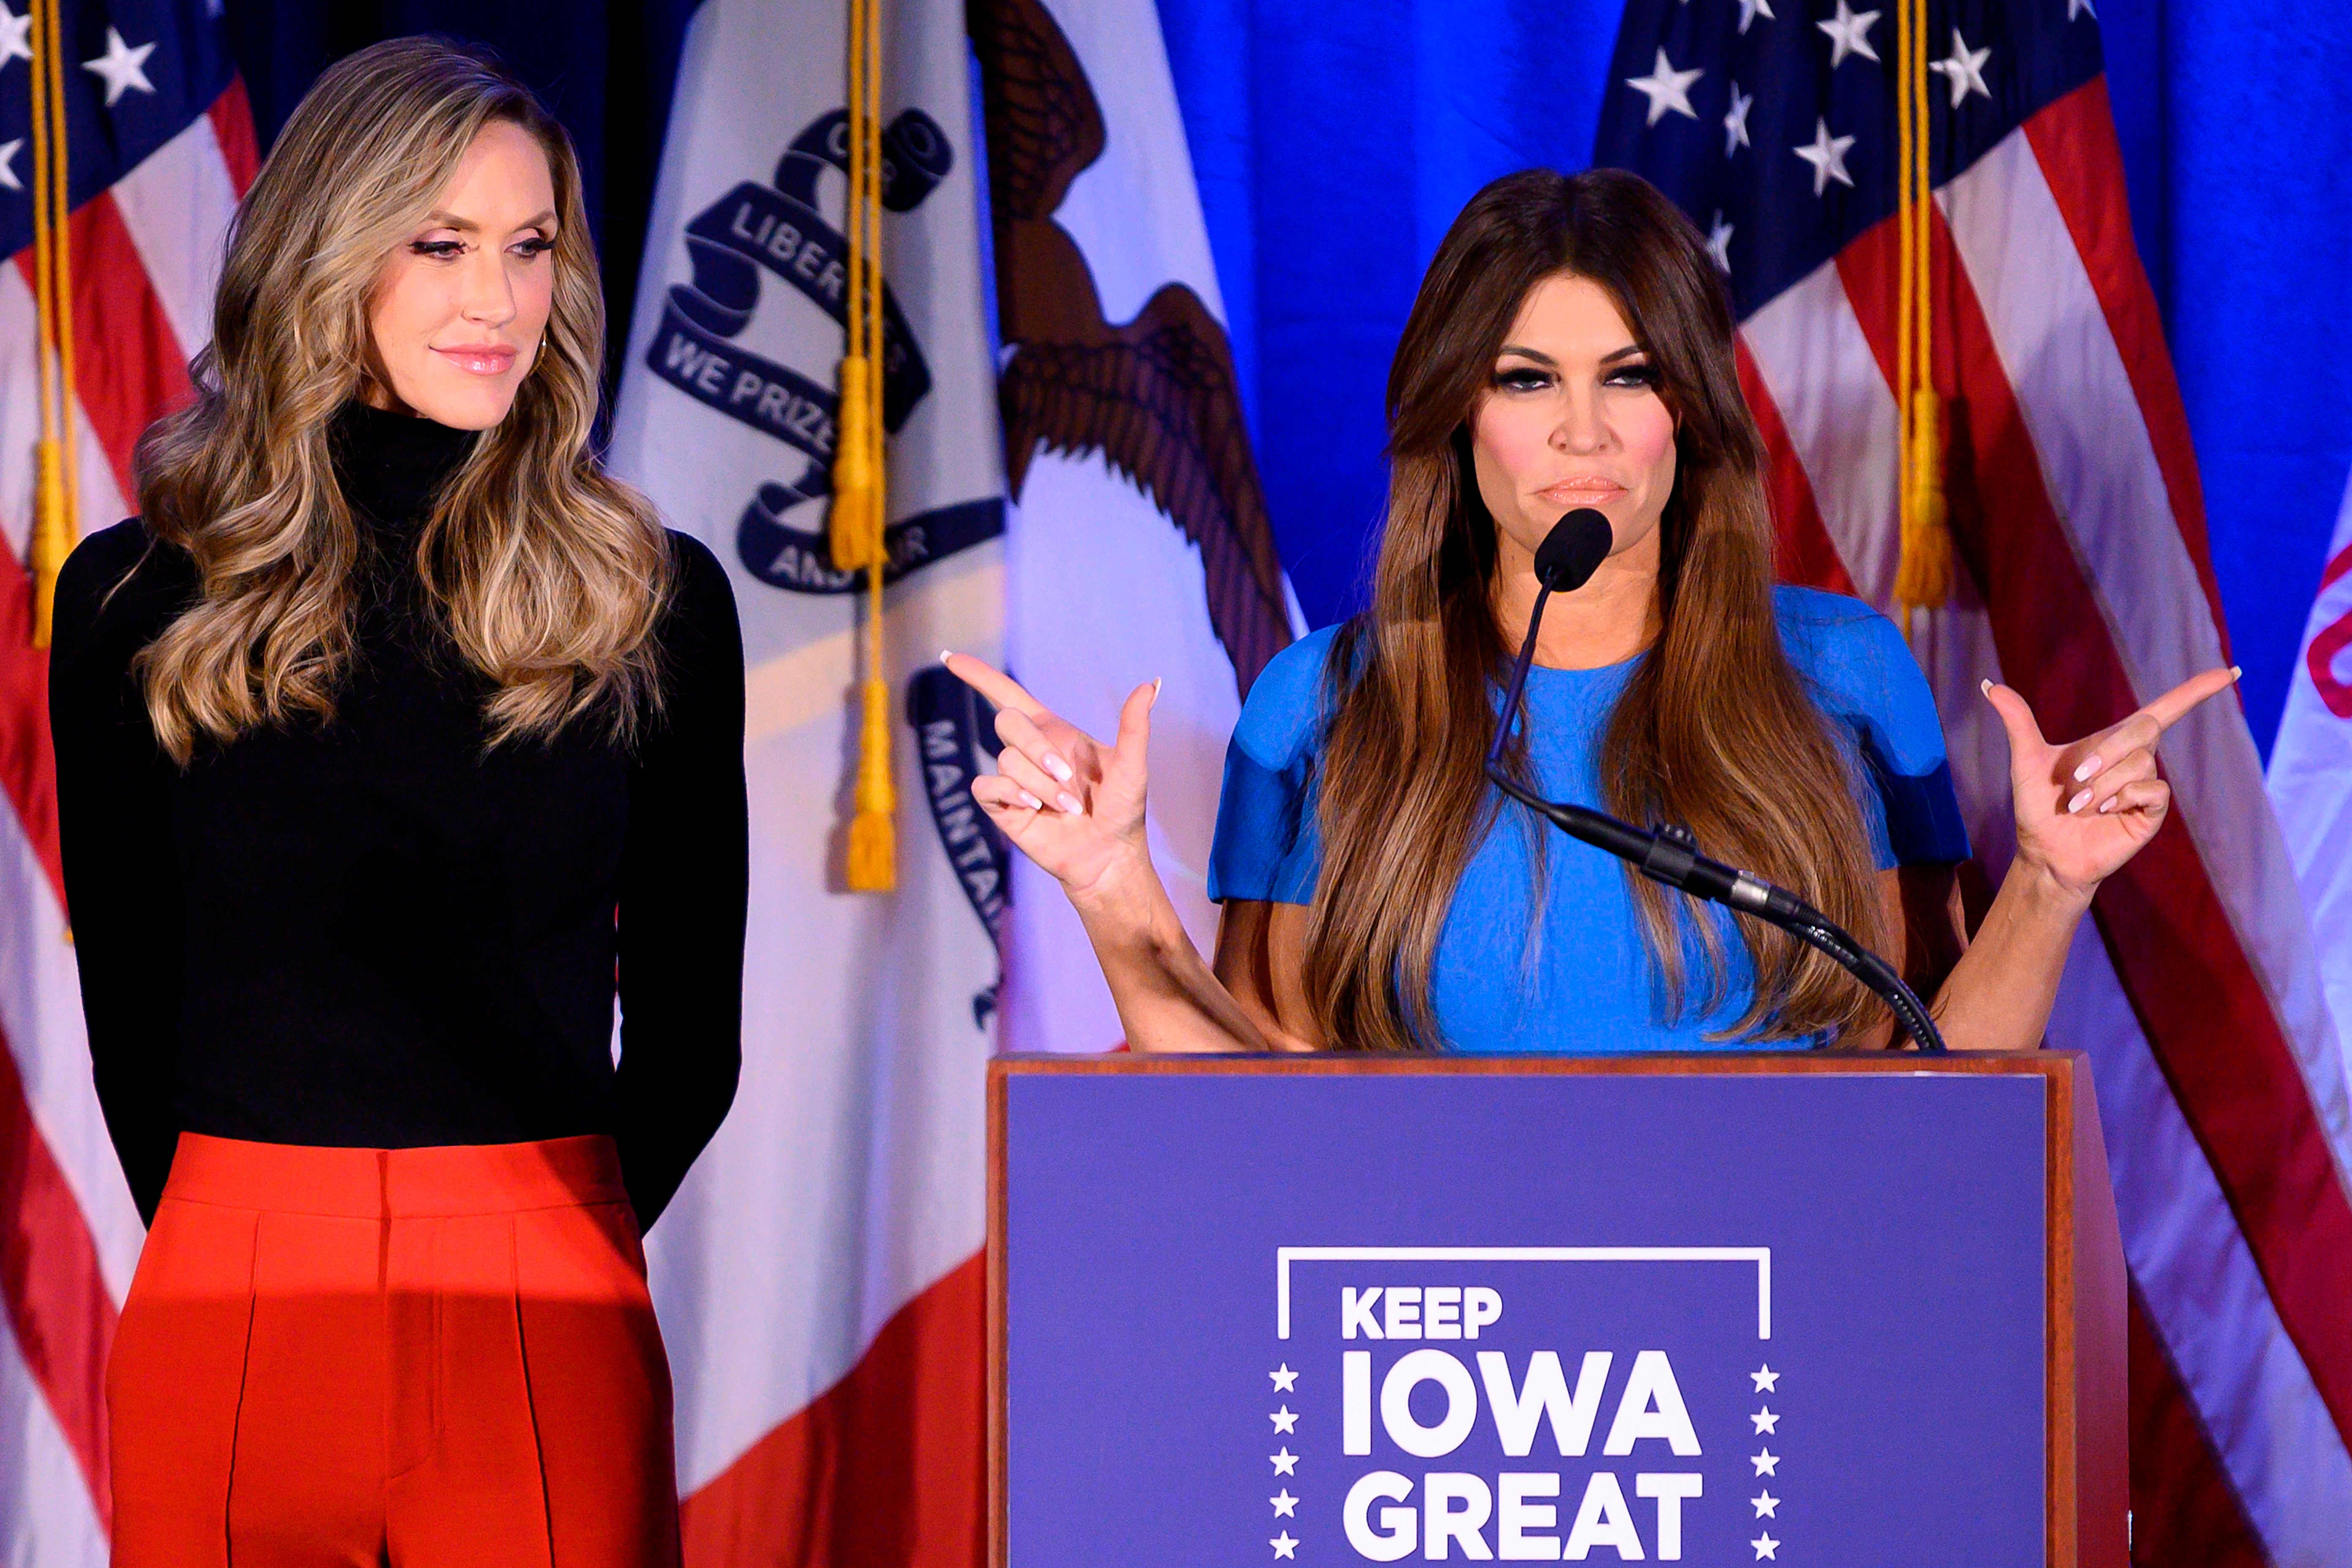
pixel 549 575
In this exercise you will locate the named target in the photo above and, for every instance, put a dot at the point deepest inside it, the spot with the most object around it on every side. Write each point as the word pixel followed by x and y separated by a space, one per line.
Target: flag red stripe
pixel 128 367
pixel 2335 568
pixel 2204 1008
pixel 51 1286
pixel 28 773
pixel 2073 140
pixel 232 117
pixel 1804 554
pixel 2185 1513
pixel 883 1469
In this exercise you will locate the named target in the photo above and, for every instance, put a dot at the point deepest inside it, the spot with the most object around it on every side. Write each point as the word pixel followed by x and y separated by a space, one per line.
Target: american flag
pixel 159 147
pixel 2084 581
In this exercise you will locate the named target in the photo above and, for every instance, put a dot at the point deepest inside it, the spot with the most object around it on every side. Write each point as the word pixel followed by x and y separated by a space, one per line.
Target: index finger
pixel 2176 704
pixel 993 683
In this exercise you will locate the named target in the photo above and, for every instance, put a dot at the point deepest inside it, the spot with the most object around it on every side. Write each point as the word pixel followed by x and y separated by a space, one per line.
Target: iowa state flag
pixel 818 1278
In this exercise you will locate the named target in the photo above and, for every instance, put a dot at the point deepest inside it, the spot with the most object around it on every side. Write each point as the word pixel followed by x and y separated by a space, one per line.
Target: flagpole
pixel 858 536
pixel 1923 575
pixel 56 463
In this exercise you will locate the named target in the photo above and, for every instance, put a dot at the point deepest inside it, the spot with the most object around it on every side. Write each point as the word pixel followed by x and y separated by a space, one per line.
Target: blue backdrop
pixel 1334 144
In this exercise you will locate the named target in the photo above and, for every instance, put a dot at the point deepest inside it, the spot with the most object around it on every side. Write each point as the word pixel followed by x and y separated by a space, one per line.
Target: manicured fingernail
pixel 1059 768
pixel 1157 682
pixel 2109 804
pixel 1068 802
pixel 2078 803
pixel 1985 687
pixel 946 654
pixel 1032 802
pixel 2091 764
pixel 2236 670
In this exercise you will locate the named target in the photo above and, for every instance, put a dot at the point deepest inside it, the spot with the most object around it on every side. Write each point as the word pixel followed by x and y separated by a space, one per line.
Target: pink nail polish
pixel 1068 802
pixel 2109 804
pixel 1032 802
pixel 2091 764
pixel 2078 803
pixel 1059 768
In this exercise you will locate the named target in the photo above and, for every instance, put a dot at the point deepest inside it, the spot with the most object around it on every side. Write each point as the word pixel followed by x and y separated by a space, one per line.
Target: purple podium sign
pixel 1709 1310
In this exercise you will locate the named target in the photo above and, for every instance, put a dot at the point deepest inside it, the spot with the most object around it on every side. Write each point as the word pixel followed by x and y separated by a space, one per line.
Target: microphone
pixel 1566 560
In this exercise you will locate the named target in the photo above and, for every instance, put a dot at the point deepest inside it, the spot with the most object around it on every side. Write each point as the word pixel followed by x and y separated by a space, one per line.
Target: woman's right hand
pixel 1072 805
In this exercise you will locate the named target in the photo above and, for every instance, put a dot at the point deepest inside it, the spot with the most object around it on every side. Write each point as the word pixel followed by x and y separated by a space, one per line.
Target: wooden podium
pixel 1817 1308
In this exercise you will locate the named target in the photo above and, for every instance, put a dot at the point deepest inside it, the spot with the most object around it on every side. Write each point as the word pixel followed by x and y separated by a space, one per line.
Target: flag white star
pixel 1767 1463
pixel 1964 69
pixel 1284 1380
pixel 1285 1505
pixel 8 180
pixel 1766 1421
pixel 1849 33
pixel 1719 243
pixel 1765 1547
pixel 1284 1545
pixel 2077 8
pixel 1285 1421
pixel 1751 9
pixel 1735 124
pixel 1286 1463
pixel 1767 1380
pixel 1827 155
pixel 1666 88
pixel 15 35
pixel 1767 1504
pixel 120 67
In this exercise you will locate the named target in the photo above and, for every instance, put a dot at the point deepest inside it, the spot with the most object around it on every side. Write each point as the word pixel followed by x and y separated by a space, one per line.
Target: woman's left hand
pixel 2085 808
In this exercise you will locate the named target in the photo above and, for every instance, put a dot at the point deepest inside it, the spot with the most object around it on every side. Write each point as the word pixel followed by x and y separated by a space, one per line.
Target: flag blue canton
pixel 161 62
pixel 1772 122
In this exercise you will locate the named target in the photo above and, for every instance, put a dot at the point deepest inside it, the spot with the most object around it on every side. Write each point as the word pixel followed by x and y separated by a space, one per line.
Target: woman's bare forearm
pixel 1168 1000
pixel 1999 996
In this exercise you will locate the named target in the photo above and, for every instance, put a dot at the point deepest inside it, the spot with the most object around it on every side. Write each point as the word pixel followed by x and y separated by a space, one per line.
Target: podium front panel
pixel 1666 1313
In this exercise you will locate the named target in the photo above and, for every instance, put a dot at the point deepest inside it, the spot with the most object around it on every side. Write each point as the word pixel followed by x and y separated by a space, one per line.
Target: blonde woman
pixel 389 735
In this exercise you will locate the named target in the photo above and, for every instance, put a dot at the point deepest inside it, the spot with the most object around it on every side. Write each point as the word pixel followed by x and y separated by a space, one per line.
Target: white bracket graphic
pixel 1759 1255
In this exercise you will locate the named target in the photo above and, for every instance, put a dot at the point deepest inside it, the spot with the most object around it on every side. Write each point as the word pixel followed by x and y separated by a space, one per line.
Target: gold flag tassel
pixel 853 469
pixel 1922 578
pixel 55 465
pixel 873 836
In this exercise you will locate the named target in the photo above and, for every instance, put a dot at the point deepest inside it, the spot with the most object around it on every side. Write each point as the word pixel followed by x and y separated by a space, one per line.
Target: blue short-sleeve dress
pixel 1579 980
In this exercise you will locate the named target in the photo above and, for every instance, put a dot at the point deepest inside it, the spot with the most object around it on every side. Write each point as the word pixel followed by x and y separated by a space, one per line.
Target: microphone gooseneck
pixel 1567 559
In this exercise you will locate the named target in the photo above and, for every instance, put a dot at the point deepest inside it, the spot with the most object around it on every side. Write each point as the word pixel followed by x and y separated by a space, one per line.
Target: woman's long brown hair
pixel 1714 729
pixel 550 574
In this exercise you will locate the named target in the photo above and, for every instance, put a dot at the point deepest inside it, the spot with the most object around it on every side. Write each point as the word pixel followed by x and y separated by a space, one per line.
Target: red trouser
pixel 438 1358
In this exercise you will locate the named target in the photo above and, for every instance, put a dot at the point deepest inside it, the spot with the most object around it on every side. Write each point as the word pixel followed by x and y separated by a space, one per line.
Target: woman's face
pixel 455 316
pixel 1573 418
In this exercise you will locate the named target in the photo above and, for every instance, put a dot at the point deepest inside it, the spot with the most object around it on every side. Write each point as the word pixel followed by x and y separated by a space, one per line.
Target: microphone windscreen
pixel 1573 550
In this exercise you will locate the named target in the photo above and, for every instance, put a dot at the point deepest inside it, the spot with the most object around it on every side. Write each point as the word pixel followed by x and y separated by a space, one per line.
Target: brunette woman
pixel 1571 346
pixel 387 736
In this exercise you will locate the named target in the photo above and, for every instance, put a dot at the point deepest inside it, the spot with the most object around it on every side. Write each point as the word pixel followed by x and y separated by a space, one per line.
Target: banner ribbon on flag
pixel 754 227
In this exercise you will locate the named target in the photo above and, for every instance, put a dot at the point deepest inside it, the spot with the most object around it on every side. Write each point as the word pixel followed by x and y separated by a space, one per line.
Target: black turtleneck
pixel 378 932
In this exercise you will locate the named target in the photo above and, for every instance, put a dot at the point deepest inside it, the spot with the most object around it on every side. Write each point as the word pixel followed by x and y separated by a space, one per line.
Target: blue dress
pixel 1579 981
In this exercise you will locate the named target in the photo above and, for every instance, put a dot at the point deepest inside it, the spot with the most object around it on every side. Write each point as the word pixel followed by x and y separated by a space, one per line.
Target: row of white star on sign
pixel 1286 1463
pixel 1767 1462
